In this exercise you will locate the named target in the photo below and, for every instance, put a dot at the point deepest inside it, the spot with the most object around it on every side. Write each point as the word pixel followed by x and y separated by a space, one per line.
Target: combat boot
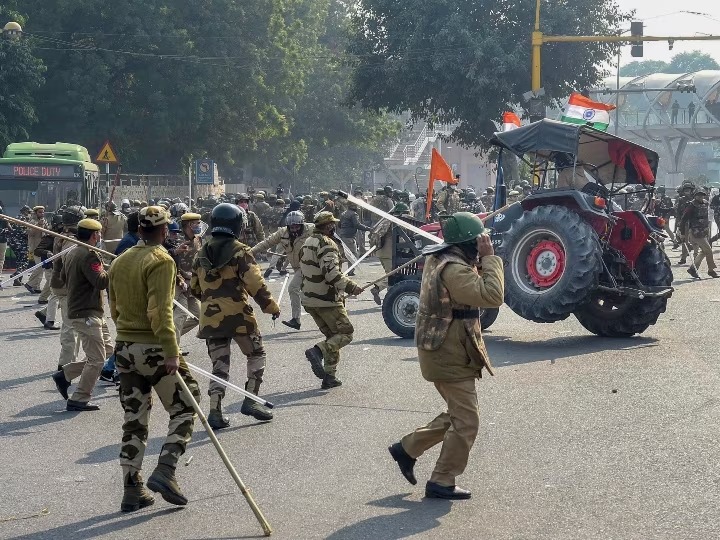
pixel 250 407
pixel 693 272
pixel 216 418
pixel 315 357
pixel 266 273
pixel 163 481
pixel 135 496
pixel 375 291
pixel 330 381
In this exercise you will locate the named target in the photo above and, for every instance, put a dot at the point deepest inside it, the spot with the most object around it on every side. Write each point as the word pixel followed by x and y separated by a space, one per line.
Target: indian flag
pixel 510 121
pixel 582 110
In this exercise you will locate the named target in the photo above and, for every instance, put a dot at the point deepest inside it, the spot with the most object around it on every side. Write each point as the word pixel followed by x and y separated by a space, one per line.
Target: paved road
pixel 560 454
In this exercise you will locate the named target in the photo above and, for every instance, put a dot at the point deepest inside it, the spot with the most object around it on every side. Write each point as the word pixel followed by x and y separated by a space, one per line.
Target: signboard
pixel 204 171
pixel 106 154
pixel 32 171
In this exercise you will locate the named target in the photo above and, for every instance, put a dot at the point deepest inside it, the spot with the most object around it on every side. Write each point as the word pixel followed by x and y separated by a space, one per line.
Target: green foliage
pixel 21 74
pixel 258 82
pixel 684 62
pixel 467 61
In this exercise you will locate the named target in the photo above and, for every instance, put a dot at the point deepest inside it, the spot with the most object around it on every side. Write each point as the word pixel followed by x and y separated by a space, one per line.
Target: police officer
pixel 85 279
pixel 681 204
pixel 665 209
pixel 114 227
pixel 323 284
pixel 448 201
pixel 184 254
pixel 714 206
pixel 33 239
pixel 224 275
pixel 460 276
pixel 142 285
pixel 381 236
pixel 349 226
pixel 696 222
pixel 290 239
pixel 43 251
pixel 253 231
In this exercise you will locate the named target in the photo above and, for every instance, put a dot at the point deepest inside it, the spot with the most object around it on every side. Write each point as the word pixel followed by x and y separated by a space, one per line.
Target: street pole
pixel 107 177
pixel 190 179
pixel 617 98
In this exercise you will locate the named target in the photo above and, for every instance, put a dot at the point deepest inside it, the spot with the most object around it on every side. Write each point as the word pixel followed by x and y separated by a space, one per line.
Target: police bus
pixel 48 174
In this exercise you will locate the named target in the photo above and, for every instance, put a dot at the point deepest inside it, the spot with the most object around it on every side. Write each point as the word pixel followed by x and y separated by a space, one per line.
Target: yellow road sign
pixel 106 154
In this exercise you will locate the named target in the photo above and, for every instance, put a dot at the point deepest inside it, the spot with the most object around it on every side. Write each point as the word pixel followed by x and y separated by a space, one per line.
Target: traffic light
pixel 636 29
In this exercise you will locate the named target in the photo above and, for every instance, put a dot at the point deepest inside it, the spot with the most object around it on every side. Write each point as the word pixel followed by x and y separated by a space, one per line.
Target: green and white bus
pixel 48 174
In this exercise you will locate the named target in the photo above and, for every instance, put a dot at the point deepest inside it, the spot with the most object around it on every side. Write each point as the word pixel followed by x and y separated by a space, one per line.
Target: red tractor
pixel 568 248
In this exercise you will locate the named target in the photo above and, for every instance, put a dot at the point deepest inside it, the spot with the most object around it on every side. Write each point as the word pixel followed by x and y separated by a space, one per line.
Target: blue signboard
pixel 204 171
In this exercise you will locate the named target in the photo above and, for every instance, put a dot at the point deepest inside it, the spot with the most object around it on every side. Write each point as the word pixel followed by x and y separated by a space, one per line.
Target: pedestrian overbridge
pixel 658 109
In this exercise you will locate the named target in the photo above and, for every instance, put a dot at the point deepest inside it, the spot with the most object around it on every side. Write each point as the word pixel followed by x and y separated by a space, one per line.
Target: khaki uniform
pixel 381 236
pixel 34 237
pixel 114 227
pixel 83 274
pixel 225 275
pixel 381 202
pixel 322 287
pixel 69 342
pixel 254 231
pixel 291 247
pixel 452 353
pixel 695 220
pixel 183 261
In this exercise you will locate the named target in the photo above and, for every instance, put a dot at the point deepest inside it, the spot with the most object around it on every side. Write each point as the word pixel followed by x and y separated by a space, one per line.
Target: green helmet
pixel 400 208
pixel 461 227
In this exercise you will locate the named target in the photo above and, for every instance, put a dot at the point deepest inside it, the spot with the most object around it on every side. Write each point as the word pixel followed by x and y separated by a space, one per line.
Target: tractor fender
pixel 572 199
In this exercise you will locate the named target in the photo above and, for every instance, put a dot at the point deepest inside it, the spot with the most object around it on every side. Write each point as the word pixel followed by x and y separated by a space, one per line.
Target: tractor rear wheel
pixel 400 308
pixel 612 315
pixel 553 261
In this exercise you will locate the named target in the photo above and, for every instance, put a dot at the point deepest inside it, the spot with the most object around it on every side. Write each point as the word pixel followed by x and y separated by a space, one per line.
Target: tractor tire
pixel 609 315
pixel 553 261
pixel 488 316
pixel 400 308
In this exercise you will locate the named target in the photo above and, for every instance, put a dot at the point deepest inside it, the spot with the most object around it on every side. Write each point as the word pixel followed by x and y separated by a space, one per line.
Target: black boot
pixel 293 323
pixel 163 481
pixel 61 383
pixel 315 357
pixel 434 490
pixel 693 272
pixel 216 418
pixel 135 496
pixel 330 381
pixel 404 461
pixel 375 291
pixel 267 273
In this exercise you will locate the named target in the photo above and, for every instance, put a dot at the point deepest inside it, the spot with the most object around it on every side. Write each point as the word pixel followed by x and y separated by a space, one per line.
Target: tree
pixel 643 67
pixel 461 61
pixel 686 62
pixel 170 80
pixel 21 74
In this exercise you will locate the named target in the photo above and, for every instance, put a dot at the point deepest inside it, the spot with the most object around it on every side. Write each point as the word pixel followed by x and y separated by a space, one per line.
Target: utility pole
pixel 539 39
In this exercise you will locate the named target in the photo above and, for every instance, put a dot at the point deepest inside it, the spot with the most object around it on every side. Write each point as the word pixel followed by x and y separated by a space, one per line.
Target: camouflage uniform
pixel 142 284
pixel 448 201
pixel 695 220
pixel 183 261
pixel 17 240
pixel 381 202
pixel 254 231
pixel 224 275
pixel 322 286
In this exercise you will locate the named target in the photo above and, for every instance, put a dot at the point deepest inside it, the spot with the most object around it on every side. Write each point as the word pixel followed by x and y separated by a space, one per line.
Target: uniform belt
pixel 465 313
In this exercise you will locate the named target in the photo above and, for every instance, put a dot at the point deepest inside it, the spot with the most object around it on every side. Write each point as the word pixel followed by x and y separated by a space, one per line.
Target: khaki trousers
pixel 295 294
pixel 183 322
pixel 386 261
pixel 333 322
pixel 35 279
pixel 3 249
pixel 705 251
pixel 360 240
pixel 456 429
pixel 46 292
pixel 97 346
pixel 69 342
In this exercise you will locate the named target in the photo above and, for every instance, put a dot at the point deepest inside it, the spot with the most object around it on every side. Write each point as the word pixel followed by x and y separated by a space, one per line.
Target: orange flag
pixel 439 170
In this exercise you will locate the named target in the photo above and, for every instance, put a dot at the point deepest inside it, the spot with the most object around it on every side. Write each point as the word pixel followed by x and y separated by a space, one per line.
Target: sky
pixel 664 18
